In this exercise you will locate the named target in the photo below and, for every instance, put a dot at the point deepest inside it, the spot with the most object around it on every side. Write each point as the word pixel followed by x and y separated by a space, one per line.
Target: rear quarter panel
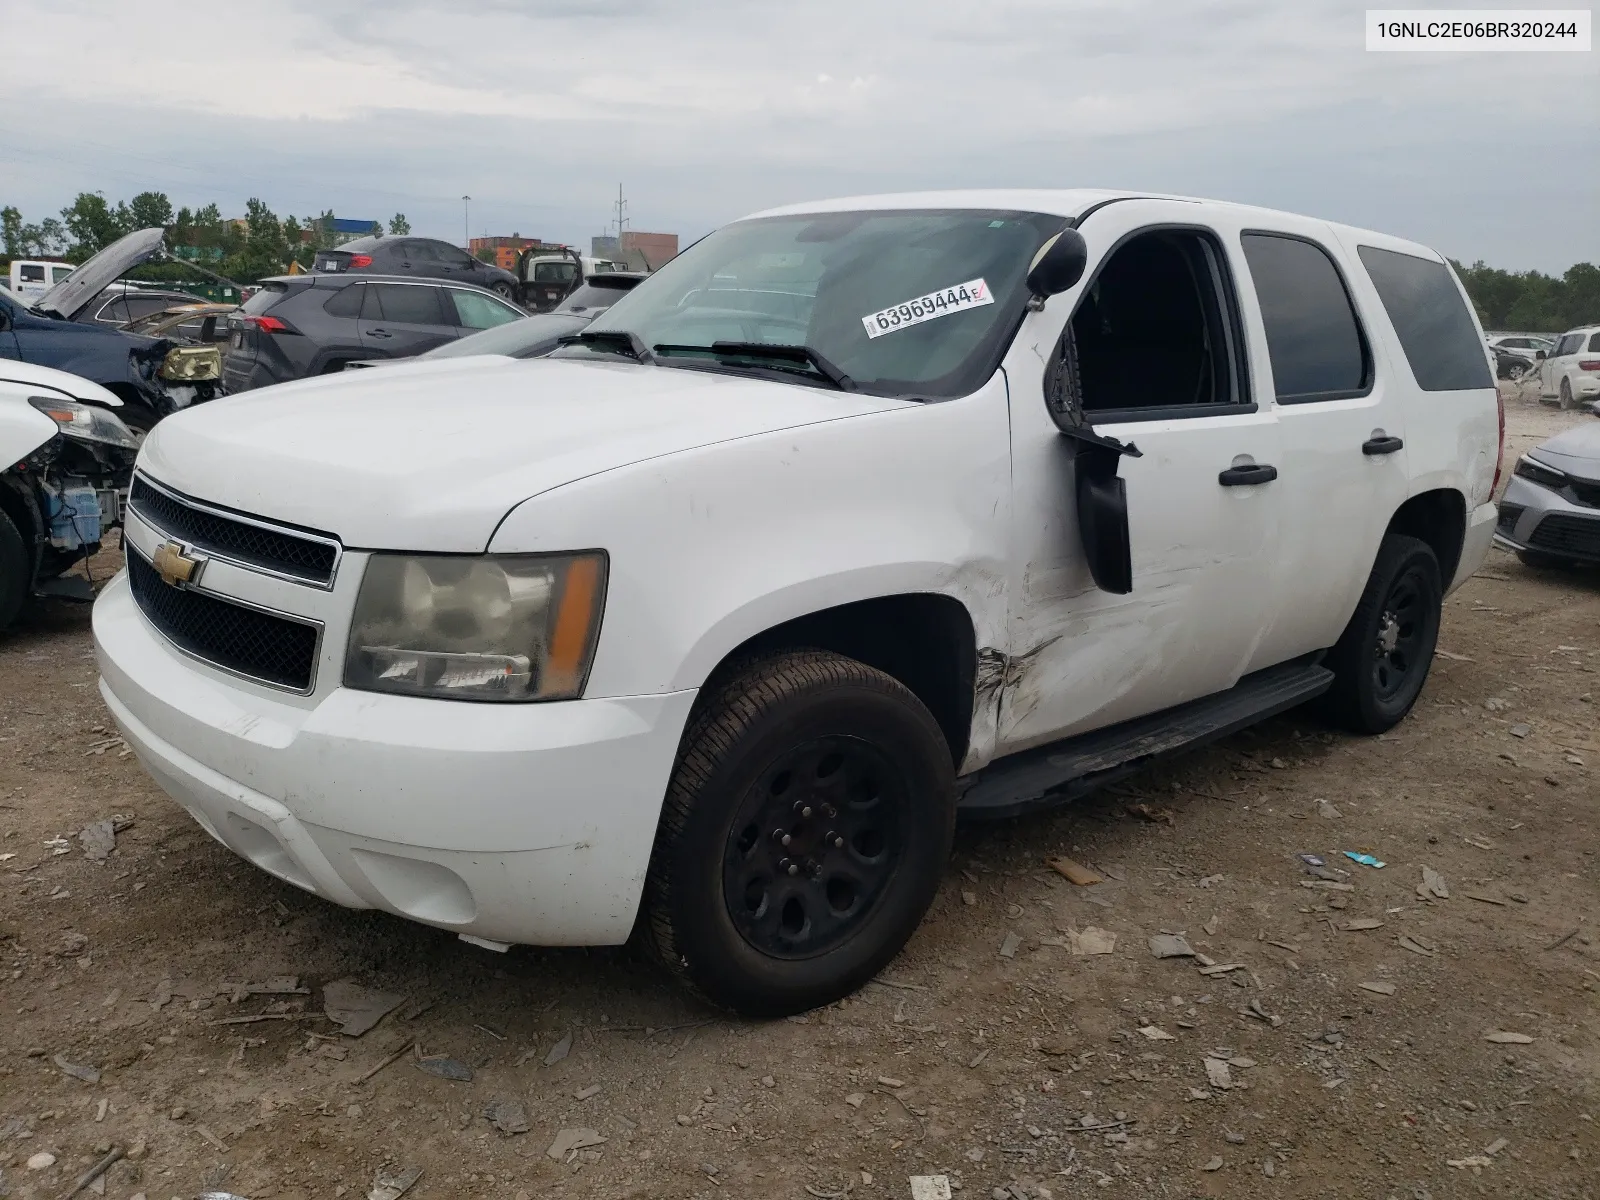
pixel 1452 438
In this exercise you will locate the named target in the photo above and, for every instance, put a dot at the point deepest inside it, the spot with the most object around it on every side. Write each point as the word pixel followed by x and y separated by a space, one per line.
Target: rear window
pixel 32 273
pixel 1594 344
pixel 1313 339
pixel 361 245
pixel 1430 318
pixel 269 295
pixel 597 293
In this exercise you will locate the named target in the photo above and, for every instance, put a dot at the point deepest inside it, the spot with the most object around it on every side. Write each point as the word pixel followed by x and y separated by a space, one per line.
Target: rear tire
pixel 1382 659
pixel 506 292
pixel 846 763
pixel 1567 402
pixel 16 572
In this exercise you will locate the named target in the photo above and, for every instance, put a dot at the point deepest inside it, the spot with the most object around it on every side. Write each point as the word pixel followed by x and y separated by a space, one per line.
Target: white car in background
pixel 1570 373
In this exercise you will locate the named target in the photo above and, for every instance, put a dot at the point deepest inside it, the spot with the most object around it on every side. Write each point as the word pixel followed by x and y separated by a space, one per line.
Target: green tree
pixel 398 224
pixel 93 224
pixel 1532 300
pixel 11 229
pixel 149 209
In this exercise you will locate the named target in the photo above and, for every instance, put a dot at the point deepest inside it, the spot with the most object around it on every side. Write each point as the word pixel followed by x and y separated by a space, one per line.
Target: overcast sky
pixel 709 109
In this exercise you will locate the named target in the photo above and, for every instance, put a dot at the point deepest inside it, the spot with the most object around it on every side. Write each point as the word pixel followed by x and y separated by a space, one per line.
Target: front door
pixel 400 320
pixel 1161 361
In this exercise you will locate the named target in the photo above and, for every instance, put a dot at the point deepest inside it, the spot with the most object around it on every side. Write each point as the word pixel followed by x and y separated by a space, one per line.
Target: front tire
pixel 16 572
pixel 804 834
pixel 1382 659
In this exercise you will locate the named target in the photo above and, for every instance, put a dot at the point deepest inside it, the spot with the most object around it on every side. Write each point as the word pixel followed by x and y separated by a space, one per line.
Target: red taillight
pixel 268 324
pixel 1589 364
pixel 361 260
pixel 1499 441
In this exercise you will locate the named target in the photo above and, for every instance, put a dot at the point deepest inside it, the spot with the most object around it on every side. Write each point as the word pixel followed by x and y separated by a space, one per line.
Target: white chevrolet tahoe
pixel 856 518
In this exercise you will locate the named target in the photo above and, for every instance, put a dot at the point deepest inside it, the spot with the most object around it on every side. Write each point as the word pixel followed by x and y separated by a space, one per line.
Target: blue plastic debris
pixel 1366 860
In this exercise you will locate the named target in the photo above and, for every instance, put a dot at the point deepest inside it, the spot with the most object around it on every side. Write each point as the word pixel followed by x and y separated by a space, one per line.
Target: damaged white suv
pixel 855 518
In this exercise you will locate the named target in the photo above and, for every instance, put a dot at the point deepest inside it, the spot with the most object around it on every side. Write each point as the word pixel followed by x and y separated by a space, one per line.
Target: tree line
pixel 264 244
pixel 245 251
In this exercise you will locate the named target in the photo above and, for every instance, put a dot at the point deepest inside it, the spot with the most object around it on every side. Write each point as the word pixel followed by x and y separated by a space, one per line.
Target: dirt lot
pixel 1355 1027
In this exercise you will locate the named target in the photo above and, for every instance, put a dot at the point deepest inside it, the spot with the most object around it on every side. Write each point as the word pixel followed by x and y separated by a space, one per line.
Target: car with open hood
pixel 153 376
pixel 68 461
pixel 855 518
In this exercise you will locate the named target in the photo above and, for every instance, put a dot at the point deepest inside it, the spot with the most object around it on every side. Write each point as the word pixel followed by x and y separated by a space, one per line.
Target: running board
pixel 1065 770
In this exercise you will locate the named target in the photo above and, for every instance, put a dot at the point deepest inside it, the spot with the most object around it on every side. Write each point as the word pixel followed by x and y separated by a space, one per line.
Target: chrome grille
pixel 306 557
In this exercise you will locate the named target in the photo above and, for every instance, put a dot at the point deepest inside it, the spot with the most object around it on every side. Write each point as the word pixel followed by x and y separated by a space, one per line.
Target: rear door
pixel 399 320
pixel 1344 469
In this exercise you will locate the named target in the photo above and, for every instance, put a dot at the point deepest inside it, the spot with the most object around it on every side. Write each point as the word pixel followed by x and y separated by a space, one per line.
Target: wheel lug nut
pixel 794 868
pixel 780 837
pixel 833 839
pixel 806 811
pixel 829 811
pixel 784 864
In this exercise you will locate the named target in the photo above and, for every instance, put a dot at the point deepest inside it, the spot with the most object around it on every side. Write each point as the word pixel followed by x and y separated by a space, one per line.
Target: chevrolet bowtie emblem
pixel 176 567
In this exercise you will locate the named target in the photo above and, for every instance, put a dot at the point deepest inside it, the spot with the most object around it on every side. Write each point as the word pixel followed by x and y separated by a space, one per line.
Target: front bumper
pixel 1533 517
pixel 520 823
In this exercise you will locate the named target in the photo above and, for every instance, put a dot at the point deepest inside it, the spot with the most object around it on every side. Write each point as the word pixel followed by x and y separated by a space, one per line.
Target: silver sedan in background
pixel 1550 514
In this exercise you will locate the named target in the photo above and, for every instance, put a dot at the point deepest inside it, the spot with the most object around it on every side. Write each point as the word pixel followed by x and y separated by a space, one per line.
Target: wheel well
pixel 924 640
pixel 1438 518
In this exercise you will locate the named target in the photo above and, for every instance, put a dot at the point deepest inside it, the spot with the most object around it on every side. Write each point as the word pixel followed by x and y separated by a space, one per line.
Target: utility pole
pixel 622 220
pixel 466 221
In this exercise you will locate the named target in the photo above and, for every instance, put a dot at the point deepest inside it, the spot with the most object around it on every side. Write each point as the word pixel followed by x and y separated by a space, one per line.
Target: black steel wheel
pixel 804 833
pixel 1382 659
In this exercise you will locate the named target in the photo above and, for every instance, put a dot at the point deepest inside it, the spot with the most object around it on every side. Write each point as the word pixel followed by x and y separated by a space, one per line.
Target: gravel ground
pixel 1364 1039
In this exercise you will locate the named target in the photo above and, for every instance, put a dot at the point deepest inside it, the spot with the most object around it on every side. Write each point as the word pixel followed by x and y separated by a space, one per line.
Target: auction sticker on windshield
pixel 972 294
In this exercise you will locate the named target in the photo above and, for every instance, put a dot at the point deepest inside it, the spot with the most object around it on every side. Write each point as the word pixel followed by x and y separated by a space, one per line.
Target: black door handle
pixel 1381 445
pixel 379 333
pixel 1248 475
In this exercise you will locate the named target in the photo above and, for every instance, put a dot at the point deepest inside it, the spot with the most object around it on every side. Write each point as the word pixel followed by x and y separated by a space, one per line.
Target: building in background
pixel 641 251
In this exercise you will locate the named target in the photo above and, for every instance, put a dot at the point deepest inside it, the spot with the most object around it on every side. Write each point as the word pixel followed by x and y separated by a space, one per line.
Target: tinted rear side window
pixel 1594 344
pixel 345 303
pixel 409 305
pixel 1430 318
pixel 269 295
pixel 1315 343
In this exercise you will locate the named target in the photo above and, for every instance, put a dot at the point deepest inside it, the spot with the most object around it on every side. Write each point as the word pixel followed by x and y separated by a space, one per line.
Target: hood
pixel 1577 451
pixel 432 457
pixel 72 295
pixel 76 386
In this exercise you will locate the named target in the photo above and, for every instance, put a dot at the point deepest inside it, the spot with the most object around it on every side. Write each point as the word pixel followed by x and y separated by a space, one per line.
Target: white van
pixel 855 517
pixel 33 277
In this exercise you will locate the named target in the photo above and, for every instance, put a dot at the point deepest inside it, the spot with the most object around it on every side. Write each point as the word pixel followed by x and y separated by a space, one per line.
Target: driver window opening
pixel 1154 329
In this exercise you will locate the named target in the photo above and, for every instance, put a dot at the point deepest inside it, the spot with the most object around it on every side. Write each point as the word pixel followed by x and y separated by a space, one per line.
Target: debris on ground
pixel 1008 947
pixel 444 1067
pixel 508 1116
pixel 1218 1074
pixel 1170 945
pixel 1362 923
pixel 1383 989
pixel 356 1009
pixel 1073 872
pixel 559 1051
pixel 1214 1164
pixel 1507 1039
pixel 569 1141
pixel 1433 885
pixel 86 1074
pixel 1156 1034
pixel 41 1161
pixel 1416 945
pixel 587 1093
pixel 391 1186
pixel 930 1187
pixel 1520 731
pixel 1366 860
pixel 1472 1160
pixel 98 840
pixel 1091 939
pixel 1326 810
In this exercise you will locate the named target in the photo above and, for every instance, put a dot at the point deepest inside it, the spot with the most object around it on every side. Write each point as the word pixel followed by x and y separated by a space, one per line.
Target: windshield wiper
pixel 623 339
pixel 803 355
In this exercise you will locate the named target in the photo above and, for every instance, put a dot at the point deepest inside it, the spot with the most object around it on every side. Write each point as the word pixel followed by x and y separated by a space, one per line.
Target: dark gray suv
pixel 406 255
pixel 300 325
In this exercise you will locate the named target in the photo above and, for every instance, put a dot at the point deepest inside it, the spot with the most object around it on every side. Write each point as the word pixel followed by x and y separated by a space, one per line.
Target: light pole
pixel 466 221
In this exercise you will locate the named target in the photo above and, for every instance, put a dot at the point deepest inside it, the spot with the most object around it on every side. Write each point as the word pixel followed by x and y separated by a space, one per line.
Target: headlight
pixel 478 627
pixel 86 422
pixel 192 364
pixel 1535 471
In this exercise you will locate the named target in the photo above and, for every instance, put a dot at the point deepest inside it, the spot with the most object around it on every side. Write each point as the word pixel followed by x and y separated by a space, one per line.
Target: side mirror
pixel 1539 355
pixel 1059 264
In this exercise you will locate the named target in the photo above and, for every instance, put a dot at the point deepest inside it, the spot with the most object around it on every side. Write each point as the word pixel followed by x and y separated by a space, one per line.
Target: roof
pixel 1067 202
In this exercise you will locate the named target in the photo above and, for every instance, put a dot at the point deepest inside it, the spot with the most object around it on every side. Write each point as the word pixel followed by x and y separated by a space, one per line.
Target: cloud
pixel 538 110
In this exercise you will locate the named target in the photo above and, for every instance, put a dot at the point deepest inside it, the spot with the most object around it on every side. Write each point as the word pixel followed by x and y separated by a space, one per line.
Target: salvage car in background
pixel 851 517
pixel 202 323
pixel 1570 373
pixel 1550 513
pixel 545 280
pixel 428 258
pixel 317 324
pixel 68 462
pixel 154 377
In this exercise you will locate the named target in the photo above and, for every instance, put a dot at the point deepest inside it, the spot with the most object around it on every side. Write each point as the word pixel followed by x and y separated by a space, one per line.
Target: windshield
pixel 531 337
pixel 904 302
